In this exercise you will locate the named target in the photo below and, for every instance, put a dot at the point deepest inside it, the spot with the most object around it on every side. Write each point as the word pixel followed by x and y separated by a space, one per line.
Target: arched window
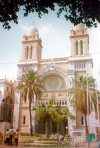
pixel 76 44
pixel 82 120
pixel 27 52
pixel 81 46
pixel 24 120
pixel 31 51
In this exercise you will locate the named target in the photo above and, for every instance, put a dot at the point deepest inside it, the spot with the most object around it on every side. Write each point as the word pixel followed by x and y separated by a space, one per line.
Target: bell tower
pixel 80 60
pixel 31 45
pixel 31 54
pixel 79 40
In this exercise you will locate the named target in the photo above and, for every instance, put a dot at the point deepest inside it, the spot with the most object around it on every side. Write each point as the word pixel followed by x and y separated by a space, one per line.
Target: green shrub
pixel 37 135
pixel 24 134
pixel 13 141
pixel 33 134
pixel 90 134
pixel 46 139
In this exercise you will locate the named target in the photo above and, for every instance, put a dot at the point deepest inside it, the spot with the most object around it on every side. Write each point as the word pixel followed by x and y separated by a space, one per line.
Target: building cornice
pixel 27 62
pixel 79 58
pixel 77 36
pixel 31 41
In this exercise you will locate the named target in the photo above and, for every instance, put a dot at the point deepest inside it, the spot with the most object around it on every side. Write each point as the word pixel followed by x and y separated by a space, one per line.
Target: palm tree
pixel 56 113
pixel 64 115
pixel 28 85
pixel 78 95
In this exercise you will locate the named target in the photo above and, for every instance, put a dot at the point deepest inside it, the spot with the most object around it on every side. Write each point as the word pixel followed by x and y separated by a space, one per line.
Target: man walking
pixel 11 132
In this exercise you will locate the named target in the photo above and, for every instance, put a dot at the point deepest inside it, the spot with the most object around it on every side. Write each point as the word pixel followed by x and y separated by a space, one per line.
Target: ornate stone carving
pixel 54 82
pixel 53 68
pixel 54 95
pixel 26 68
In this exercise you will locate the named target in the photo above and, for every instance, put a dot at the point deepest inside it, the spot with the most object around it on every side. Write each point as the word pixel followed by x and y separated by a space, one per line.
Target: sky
pixel 54 33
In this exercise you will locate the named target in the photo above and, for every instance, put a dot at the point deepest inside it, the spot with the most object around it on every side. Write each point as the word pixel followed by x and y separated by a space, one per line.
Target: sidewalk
pixel 93 144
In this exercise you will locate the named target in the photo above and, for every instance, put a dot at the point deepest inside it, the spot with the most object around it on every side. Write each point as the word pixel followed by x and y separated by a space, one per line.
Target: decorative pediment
pixel 51 68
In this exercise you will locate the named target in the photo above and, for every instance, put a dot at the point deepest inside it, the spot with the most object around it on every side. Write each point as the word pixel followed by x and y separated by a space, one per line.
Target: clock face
pixel 54 83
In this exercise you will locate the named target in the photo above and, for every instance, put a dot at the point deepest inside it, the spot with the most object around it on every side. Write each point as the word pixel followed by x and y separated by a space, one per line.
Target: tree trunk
pixel 47 128
pixel 58 128
pixel 86 127
pixel 30 117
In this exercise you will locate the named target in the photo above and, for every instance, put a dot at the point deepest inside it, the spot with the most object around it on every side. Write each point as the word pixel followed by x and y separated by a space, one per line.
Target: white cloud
pixel 25 28
pixel 44 30
pixel 94 34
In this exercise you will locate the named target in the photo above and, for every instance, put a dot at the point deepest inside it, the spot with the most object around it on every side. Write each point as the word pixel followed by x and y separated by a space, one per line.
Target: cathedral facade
pixel 57 75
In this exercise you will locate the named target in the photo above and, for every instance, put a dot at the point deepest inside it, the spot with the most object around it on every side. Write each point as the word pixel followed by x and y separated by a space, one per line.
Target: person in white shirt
pixel 61 137
pixel 11 132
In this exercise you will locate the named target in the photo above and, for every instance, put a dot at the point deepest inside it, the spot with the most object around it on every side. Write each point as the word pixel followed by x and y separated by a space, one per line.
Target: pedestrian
pixel 98 139
pixel 11 132
pixel 16 136
pixel 57 136
pixel 61 137
pixel 7 136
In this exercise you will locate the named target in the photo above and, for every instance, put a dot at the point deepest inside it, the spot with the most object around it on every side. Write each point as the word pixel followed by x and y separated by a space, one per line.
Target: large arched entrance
pixel 55 87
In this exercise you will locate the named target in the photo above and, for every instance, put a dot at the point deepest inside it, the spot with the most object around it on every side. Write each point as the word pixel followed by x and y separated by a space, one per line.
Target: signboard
pixel 94 122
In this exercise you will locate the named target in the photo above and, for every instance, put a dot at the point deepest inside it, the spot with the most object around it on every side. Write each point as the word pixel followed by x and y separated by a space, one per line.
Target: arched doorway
pixel 55 87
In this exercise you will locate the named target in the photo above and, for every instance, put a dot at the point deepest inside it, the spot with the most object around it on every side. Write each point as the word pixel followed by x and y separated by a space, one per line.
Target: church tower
pixel 31 51
pixel 80 60
pixel 31 54
pixel 79 40
pixel 31 46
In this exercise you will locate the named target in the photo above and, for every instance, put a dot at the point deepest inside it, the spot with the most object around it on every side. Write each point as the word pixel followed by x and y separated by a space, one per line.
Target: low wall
pixel 47 142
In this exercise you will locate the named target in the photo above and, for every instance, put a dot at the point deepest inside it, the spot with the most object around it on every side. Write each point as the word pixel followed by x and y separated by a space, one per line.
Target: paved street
pixel 93 144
